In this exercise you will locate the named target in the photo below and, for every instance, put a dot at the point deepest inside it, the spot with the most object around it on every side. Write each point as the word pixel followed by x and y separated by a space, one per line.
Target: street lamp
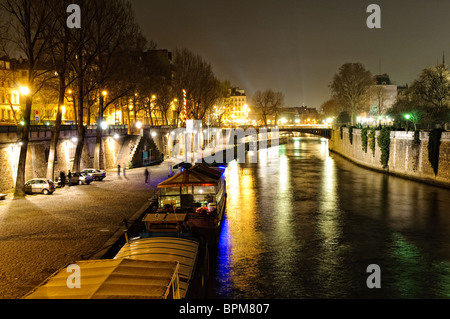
pixel 407 117
pixel 104 125
pixel 24 90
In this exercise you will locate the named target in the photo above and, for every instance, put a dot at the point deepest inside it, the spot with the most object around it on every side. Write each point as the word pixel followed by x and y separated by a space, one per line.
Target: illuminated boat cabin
pixel 200 190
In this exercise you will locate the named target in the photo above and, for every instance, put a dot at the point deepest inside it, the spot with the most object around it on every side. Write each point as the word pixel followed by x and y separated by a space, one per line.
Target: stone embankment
pixel 408 156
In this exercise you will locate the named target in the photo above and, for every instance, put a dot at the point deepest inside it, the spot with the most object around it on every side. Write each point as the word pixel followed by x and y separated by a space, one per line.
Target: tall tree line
pixel 104 65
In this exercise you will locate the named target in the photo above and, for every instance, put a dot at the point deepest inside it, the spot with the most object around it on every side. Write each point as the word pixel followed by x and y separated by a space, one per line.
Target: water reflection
pixel 303 223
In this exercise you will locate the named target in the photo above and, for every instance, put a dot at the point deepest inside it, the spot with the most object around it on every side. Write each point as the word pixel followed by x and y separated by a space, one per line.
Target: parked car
pixel 40 186
pixel 97 174
pixel 77 179
pixel 84 179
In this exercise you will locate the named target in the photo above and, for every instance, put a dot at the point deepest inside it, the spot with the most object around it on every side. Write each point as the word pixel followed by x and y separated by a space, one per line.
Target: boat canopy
pixel 183 251
pixel 213 172
pixel 189 177
pixel 114 279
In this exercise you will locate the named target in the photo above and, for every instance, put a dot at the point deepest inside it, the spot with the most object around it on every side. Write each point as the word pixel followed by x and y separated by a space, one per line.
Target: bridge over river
pixel 319 130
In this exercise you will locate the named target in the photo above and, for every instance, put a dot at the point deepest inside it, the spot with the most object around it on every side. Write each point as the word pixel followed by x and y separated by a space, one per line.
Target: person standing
pixel 70 178
pixel 124 170
pixel 147 174
pixel 118 170
pixel 62 177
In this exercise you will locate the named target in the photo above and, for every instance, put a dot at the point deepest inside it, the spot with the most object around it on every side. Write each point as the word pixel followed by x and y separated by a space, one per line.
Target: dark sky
pixel 296 46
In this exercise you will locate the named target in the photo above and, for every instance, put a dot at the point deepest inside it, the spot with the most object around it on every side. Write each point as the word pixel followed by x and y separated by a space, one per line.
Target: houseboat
pixel 121 278
pixel 198 195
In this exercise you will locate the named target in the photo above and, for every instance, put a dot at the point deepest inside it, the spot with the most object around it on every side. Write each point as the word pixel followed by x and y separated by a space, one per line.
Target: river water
pixel 304 223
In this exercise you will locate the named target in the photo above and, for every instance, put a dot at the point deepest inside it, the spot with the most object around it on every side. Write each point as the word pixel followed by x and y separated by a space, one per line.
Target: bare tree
pixel 379 97
pixel 62 51
pixel 114 30
pixel 268 102
pixel 195 76
pixel 331 108
pixel 29 20
pixel 351 86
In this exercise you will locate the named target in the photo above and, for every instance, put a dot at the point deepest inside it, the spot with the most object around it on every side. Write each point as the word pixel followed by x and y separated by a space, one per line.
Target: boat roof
pixel 111 279
pixel 184 251
pixel 189 177
pixel 213 172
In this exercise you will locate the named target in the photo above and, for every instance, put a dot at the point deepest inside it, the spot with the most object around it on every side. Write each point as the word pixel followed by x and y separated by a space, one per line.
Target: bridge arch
pixel 319 131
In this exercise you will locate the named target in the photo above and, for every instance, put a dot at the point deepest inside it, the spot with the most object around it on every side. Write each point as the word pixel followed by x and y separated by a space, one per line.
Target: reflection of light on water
pixel 324 149
pixel 283 177
pixel 283 211
pixel 224 258
pixel 329 197
pixel 410 267
pixel 297 147
pixel 283 207
pixel 329 223
pixel 240 239
pixel 329 203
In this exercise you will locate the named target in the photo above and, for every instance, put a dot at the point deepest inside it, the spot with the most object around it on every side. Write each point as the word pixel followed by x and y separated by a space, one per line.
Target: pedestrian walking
pixel 118 170
pixel 124 170
pixel 70 178
pixel 147 174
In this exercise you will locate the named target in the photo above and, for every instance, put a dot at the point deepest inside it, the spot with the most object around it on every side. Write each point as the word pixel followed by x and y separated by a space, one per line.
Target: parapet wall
pixel 405 160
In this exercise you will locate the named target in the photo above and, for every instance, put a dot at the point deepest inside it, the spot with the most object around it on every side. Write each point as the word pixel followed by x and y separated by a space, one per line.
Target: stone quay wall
pixel 38 149
pixel 405 159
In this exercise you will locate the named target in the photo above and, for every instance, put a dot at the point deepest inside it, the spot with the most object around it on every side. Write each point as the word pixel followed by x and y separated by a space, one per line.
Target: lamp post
pixel 407 117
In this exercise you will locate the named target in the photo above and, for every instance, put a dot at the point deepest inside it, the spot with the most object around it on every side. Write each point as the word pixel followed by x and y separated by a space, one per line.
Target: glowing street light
pixel 24 90
pixel 138 125
pixel 407 117
pixel 104 125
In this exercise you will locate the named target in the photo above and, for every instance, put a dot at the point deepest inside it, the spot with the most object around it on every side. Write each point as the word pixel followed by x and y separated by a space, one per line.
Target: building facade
pixel 236 111
pixel 13 75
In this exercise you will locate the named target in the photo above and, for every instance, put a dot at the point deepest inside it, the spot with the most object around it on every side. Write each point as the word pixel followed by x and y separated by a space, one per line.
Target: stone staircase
pixel 126 155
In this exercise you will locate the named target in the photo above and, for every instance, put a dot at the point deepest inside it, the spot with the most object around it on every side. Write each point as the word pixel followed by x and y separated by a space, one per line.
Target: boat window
pixel 186 190
pixel 204 190
pixel 171 200
pixel 170 191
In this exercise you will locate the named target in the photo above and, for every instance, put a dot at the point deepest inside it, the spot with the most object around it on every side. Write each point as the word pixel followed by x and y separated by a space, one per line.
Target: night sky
pixel 296 46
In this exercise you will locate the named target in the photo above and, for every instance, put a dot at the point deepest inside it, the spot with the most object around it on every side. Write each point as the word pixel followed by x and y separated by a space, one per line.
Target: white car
pixel 97 174
pixel 40 185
